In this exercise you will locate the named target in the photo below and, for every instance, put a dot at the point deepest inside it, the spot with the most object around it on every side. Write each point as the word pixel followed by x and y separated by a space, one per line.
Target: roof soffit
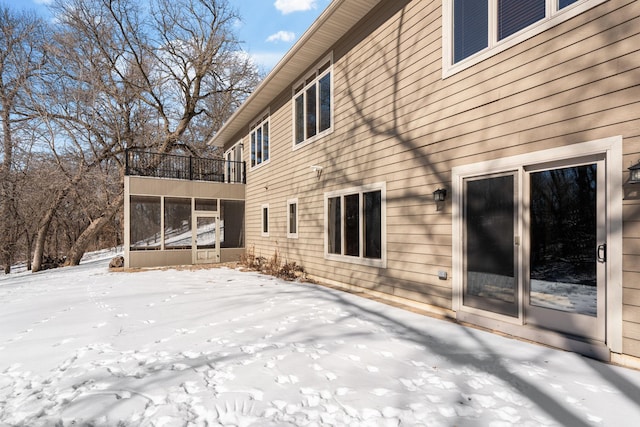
pixel 339 17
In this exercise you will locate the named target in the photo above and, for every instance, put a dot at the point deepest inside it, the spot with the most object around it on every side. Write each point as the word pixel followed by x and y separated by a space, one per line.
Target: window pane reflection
pixel 372 224
pixel 311 111
pixel 206 232
pixel 563 239
pixel 325 102
pixel 470 28
pixel 515 15
pixel 490 263
pixel 177 223
pixel 334 226
pixel 145 222
pixel 352 224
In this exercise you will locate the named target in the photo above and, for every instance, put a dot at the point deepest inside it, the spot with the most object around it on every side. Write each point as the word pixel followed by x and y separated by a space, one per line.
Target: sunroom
pixel 182 210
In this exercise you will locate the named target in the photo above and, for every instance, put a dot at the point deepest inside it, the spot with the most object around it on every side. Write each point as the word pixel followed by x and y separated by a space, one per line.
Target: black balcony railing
pixel 143 163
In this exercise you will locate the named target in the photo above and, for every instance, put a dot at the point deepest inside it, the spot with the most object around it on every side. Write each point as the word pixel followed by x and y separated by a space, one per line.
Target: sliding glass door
pixel 491 275
pixel 535 248
pixel 567 249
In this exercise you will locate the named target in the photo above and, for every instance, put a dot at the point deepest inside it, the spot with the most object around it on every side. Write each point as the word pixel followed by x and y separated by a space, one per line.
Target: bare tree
pixel 21 60
pixel 125 74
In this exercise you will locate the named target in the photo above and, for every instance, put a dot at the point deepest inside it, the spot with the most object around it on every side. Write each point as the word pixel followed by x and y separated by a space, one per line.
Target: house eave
pixel 337 19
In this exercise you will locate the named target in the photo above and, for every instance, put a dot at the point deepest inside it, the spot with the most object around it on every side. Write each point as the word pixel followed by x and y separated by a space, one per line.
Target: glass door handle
pixel 602 252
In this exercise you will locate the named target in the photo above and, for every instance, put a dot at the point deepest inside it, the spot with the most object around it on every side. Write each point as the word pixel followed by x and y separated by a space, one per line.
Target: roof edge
pixel 286 63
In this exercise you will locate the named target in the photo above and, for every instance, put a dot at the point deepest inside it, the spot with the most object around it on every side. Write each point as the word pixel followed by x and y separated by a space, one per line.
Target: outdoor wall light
pixel 317 169
pixel 439 195
pixel 634 174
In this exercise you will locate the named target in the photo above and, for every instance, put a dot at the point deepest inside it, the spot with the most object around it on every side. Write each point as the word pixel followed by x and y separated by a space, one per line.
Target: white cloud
pixel 288 6
pixel 265 61
pixel 282 36
pixel 43 1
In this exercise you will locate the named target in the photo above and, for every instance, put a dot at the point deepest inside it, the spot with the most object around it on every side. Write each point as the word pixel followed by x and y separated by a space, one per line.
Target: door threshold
pixel 591 349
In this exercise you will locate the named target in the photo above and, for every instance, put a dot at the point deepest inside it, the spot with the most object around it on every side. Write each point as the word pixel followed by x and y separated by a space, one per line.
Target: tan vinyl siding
pixel 397 121
pixel 631 252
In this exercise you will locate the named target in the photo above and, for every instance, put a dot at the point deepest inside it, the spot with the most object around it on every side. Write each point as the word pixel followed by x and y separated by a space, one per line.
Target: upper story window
pixel 474 30
pixel 259 136
pixel 312 104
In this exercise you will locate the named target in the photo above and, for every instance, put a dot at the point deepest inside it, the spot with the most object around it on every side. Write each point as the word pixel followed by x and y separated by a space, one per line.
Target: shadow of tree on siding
pixel 375 126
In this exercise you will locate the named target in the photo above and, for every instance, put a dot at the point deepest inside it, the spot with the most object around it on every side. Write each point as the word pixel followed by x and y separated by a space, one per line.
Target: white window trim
pixel 262 213
pixel 289 234
pixel 373 262
pixel 265 117
pixel 328 131
pixel 612 148
pixel 495 47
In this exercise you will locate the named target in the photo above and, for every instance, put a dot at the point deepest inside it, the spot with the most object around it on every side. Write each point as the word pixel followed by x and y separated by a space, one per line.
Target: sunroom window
pixel 145 219
pixel 177 223
pixel 312 101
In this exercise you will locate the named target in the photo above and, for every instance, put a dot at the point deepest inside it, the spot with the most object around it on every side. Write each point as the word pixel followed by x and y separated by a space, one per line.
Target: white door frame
pixel 211 255
pixel 611 148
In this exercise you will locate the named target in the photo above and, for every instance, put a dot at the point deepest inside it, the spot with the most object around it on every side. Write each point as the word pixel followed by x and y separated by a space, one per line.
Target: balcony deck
pixel 144 163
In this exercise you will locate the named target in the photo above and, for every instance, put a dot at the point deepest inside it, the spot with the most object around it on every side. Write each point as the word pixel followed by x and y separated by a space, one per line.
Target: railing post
pixel 190 168
pixel 244 172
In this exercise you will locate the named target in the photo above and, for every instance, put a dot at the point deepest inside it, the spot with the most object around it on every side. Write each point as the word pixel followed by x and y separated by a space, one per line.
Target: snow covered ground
pixel 85 346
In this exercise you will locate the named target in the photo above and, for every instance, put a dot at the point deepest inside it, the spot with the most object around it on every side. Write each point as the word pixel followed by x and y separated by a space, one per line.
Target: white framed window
pixel 355 225
pixel 292 218
pixel 474 30
pixel 313 104
pixel 265 220
pixel 259 137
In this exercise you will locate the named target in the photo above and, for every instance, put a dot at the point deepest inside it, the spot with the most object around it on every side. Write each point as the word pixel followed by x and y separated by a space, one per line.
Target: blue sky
pixel 268 28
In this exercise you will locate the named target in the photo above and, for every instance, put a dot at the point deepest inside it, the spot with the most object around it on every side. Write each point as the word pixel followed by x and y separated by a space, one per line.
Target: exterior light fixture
pixel 634 174
pixel 440 195
pixel 317 169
